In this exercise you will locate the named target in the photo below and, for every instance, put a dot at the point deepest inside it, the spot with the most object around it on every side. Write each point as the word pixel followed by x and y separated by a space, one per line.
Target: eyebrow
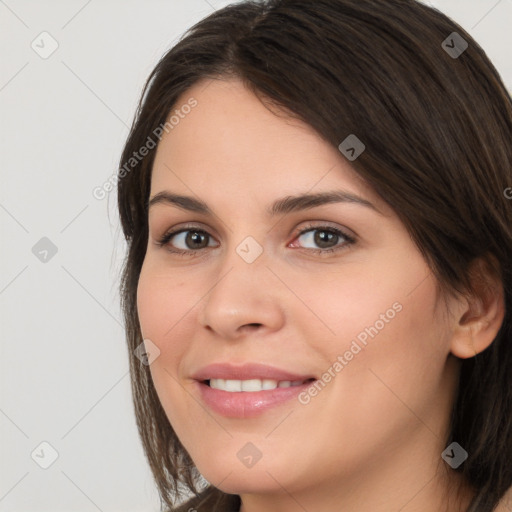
pixel 284 205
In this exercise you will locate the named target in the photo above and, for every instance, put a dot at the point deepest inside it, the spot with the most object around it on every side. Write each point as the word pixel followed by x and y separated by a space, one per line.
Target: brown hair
pixel 437 129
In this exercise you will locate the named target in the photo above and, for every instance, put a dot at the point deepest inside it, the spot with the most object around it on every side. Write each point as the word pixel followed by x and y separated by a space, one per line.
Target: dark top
pixel 209 501
pixel 475 503
pixel 206 502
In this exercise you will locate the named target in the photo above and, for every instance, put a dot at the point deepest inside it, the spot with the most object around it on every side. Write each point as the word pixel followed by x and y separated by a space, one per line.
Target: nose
pixel 244 297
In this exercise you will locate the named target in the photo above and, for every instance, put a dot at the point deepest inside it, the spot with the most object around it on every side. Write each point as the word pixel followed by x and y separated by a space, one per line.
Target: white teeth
pixel 251 384
pixel 233 385
pixel 269 384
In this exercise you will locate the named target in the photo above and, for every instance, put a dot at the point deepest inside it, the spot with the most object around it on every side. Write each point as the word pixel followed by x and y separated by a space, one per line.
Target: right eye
pixel 191 239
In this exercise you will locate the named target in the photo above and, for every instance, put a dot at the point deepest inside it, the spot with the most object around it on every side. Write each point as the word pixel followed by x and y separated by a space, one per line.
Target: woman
pixel 317 291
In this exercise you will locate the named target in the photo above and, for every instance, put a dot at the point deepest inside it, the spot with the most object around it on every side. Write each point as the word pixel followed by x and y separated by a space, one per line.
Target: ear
pixel 480 314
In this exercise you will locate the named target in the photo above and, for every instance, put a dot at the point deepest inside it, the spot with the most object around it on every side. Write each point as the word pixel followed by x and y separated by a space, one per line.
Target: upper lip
pixel 247 371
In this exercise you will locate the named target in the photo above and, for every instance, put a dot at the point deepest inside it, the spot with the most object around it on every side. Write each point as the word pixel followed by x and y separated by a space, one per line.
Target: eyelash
pixel 166 238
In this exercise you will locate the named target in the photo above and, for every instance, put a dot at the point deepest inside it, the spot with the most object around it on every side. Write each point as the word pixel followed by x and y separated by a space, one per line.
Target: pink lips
pixel 245 404
pixel 245 372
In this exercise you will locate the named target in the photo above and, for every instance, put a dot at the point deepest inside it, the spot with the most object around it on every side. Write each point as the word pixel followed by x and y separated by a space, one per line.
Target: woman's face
pixel 287 291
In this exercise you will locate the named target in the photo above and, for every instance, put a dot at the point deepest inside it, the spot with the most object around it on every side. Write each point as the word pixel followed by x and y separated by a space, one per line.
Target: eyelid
pixel 317 224
pixel 295 232
pixel 185 226
pixel 348 235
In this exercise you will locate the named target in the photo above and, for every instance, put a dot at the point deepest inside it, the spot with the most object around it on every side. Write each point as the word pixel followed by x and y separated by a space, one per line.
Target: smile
pixel 252 385
pixel 248 398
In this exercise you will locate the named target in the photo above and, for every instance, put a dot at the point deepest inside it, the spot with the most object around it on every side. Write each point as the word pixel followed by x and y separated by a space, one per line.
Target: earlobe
pixel 479 322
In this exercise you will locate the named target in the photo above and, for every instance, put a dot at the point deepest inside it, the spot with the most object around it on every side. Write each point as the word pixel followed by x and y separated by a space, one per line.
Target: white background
pixel 63 120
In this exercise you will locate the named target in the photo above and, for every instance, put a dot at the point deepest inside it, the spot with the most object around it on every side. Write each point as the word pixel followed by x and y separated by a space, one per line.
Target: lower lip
pixel 247 404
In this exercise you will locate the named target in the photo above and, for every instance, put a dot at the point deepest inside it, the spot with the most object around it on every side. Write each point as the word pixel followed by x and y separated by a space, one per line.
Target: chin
pixel 233 477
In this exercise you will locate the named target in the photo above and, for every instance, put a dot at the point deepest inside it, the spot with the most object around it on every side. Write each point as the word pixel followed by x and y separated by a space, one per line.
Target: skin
pixel 372 438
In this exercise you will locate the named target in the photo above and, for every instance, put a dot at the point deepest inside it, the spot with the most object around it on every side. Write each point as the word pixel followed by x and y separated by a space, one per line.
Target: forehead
pixel 230 144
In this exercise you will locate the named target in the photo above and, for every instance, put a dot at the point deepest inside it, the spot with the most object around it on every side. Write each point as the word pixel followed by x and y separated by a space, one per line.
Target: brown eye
pixel 195 239
pixel 185 240
pixel 189 238
pixel 326 238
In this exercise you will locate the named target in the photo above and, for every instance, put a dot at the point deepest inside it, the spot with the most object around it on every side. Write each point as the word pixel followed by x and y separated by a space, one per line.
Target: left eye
pixel 327 238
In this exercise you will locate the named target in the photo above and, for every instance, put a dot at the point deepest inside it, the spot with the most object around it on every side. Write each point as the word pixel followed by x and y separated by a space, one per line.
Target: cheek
pixel 400 366
pixel 392 338
pixel 363 305
pixel 161 304
pixel 392 385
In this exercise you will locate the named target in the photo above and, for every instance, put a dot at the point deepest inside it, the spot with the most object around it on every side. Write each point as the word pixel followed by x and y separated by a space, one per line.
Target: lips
pixel 247 371
pixel 228 398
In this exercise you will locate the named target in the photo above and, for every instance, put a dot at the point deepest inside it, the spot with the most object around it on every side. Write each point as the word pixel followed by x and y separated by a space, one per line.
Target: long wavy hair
pixel 436 121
